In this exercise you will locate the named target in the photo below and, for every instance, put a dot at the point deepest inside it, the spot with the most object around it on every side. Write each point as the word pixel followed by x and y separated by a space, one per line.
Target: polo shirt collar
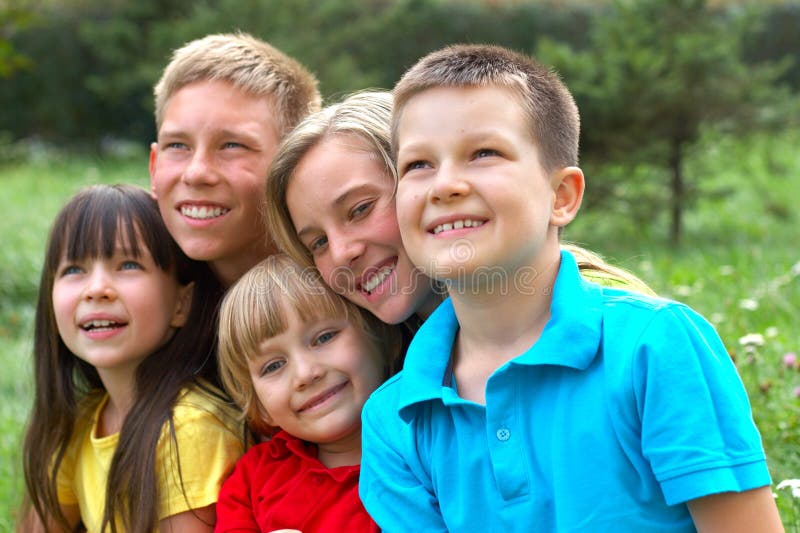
pixel 570 338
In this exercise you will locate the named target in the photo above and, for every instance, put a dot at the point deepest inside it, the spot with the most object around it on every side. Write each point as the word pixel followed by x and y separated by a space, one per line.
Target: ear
pixel 152 167
pixel 183 306
pixel 568 186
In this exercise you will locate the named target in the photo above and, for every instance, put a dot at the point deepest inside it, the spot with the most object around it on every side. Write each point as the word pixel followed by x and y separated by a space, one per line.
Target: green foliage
pixel 13 18
pixel 654 75
pixel 93 63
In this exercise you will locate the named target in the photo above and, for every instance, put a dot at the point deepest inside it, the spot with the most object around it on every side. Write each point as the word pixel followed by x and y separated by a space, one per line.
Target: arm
pixel 194 521
pixel 392 490
pixel 234 505
pixel 697 430
pixel 32 522
pixel 736 512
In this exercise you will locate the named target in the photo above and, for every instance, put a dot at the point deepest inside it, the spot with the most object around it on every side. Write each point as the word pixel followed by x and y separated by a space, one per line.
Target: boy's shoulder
pixel 388 388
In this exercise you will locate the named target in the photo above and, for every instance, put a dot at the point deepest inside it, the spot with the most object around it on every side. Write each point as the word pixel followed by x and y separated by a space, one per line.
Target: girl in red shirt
pixel 300 361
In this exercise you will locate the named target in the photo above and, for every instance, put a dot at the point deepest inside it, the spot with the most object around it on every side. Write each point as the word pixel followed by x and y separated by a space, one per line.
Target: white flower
pixel 752 339
pixel 726 270
pixel 716 318
pixel 771 332
pixel 748 304
pixel 793 484
pixel 796 269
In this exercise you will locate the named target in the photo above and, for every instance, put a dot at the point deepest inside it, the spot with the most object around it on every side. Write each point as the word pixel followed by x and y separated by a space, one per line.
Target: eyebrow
pixel 340 201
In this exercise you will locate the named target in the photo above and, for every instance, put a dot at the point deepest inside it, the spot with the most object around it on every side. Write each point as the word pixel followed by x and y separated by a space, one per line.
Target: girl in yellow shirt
pixel 126 433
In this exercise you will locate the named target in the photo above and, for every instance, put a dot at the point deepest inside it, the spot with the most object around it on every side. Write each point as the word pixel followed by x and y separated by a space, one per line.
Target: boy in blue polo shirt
pixel 532 399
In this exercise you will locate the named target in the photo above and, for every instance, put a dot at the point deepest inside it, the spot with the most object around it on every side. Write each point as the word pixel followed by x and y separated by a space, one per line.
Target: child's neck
pixel 496 326
pixel 342 452
pixel 121 396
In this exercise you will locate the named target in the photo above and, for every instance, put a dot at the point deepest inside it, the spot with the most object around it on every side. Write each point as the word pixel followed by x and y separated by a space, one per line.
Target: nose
pixel 307 370
pixel 200 169
pixel 345 248
pixel 99 285
pixel 448 185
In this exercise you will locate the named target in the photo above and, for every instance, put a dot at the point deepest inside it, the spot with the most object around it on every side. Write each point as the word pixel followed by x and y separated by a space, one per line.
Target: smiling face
pixel 113 312
pixel 313 379
pixel 341 201
pixel 208 172
pixel 473 194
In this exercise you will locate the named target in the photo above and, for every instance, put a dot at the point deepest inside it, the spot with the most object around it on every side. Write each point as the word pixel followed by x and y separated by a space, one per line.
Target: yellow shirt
pixel 209 436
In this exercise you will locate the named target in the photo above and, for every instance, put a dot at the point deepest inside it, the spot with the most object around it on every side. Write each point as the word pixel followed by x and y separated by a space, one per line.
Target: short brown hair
pixel 254 310
pixel 251 65
pixel 546 101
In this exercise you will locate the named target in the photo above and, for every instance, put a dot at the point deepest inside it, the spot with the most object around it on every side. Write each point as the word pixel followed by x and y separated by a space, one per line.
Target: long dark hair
pixel 90 226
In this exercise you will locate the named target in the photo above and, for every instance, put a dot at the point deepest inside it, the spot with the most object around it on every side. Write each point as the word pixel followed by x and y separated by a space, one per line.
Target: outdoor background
pixel 689 144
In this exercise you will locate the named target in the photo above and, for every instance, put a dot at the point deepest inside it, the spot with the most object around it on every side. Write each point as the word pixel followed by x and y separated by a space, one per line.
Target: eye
pixel 175 146
pixel 130 265
pixel 317 244
pixel 361 209
pixel 486 152
pixel 325 337
pixel 415 165
pixel 232 144
pixel 272 366
pixel 70 270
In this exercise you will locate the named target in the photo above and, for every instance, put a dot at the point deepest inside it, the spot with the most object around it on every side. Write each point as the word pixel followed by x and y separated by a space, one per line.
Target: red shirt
pixel 280 484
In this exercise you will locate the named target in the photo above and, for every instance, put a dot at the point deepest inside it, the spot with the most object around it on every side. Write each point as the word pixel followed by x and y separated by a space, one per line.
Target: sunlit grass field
pixel 739 265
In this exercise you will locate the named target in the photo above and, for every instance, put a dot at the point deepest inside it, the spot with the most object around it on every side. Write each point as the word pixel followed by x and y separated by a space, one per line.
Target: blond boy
pixel 222 106
pixel 532 399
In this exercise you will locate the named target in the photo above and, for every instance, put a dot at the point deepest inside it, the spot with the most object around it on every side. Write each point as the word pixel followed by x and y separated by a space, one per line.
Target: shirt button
pixel 503 434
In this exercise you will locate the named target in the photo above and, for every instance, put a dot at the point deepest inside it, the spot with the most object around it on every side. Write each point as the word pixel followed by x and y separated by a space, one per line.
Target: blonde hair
pixel 365 115
pixel 251 65
pixel 548 105
pixel 254 310
pixel 595 268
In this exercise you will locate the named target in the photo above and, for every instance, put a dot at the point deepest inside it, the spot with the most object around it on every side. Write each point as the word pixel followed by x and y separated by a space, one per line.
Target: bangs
pixel 102 219
pixel 255 308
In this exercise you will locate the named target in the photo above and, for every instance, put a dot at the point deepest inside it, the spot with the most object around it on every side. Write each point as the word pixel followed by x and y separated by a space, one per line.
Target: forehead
pixel 334 169
pixel 217 104
pixel 461 111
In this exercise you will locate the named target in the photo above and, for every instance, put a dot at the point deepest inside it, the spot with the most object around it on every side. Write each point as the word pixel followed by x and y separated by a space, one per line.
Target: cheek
pixel 384 227
pixel 406 211
pixel 63 309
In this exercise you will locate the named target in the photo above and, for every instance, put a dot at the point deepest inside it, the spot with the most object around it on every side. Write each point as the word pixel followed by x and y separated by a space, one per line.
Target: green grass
pixel 740 247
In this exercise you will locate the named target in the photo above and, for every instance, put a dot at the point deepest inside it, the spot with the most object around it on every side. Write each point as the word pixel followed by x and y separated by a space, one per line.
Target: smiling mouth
pixel 457 224
pixel 202 213
pixel 377 278
pixel 322 398
pixel 101 325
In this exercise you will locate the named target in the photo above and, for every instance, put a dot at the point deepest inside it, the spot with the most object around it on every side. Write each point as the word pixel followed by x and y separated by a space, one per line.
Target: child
pixel 331 203
pixel 222 105
pixel 124 434
pixel 300 362
pixel 533 399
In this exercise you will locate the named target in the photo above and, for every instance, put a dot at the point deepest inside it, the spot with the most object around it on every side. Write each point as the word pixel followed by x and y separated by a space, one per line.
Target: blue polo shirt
pixel 625 408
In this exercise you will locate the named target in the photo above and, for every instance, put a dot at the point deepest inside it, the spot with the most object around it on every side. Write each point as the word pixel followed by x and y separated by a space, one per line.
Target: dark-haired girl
pixel 126 433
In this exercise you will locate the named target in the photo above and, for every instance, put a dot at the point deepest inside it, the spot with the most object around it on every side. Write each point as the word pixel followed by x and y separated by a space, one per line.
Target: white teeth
pixel 202 213
pixel 378 278
pixel 457 224
pixel 94 324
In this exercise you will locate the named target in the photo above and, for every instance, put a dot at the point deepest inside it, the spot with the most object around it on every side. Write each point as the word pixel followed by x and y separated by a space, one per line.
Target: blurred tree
pixel 13 18
pixel 653 76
